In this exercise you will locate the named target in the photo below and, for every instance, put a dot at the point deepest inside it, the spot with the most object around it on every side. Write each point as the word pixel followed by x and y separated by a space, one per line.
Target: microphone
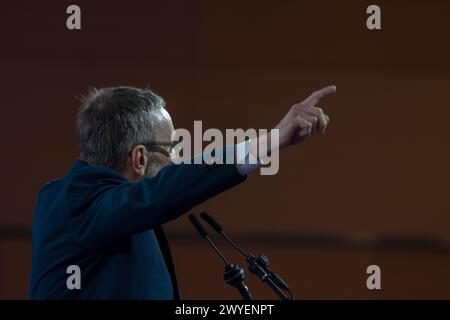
pixel 198 226
pixel 202 232
pixel 259 266
pixel 218 228
pixel 234 275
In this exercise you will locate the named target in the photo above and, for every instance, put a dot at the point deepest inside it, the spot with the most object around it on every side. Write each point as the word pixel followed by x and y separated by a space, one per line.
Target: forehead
pixel 166 126
pixel 164 115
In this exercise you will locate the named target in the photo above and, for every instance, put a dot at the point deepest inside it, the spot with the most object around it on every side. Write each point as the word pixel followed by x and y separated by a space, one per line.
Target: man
pixel 103 219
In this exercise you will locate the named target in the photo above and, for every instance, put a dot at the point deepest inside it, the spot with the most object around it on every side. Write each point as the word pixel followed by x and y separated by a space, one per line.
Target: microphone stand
pixel 259 266
pixel 265 277
pixel 234 275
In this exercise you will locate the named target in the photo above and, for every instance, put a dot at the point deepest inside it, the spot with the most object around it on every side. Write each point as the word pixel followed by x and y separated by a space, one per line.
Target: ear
pixel 138 160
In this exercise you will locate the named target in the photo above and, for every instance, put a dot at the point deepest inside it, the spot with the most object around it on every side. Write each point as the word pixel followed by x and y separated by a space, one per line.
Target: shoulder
pixel 84 183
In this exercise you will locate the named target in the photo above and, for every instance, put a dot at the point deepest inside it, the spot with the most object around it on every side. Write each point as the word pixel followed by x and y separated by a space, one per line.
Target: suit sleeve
pixel 111 210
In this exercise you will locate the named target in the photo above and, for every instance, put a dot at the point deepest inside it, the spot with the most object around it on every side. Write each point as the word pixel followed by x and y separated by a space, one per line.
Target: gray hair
pixel 111 121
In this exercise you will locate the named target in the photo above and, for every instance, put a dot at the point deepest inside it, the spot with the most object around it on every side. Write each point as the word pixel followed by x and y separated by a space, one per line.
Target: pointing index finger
pixel 319 94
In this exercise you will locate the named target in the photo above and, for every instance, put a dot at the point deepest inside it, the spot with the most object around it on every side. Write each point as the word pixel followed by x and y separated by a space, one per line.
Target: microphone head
pixel 212 222
pixel 197 225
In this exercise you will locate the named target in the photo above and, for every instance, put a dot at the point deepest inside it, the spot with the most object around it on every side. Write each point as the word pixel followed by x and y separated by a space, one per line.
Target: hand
pixel 304 119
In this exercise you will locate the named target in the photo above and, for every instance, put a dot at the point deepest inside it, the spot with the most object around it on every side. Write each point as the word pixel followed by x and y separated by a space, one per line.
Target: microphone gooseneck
pixel 259 266
pixel 202 232
pixel 218 228
pixel 234 274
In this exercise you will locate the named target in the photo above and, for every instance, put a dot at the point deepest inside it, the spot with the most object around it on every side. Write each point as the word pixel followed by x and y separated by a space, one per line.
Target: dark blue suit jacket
pixel 96 219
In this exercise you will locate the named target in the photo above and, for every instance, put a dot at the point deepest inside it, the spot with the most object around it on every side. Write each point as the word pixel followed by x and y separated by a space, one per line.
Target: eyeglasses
pixel 155 145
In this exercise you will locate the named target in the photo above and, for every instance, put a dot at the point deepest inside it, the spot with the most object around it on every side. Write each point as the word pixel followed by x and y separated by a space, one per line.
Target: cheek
pixel 160 160
pixel 155 164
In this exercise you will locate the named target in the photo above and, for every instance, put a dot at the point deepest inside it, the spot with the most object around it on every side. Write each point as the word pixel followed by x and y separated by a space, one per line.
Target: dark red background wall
pixel 373 190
